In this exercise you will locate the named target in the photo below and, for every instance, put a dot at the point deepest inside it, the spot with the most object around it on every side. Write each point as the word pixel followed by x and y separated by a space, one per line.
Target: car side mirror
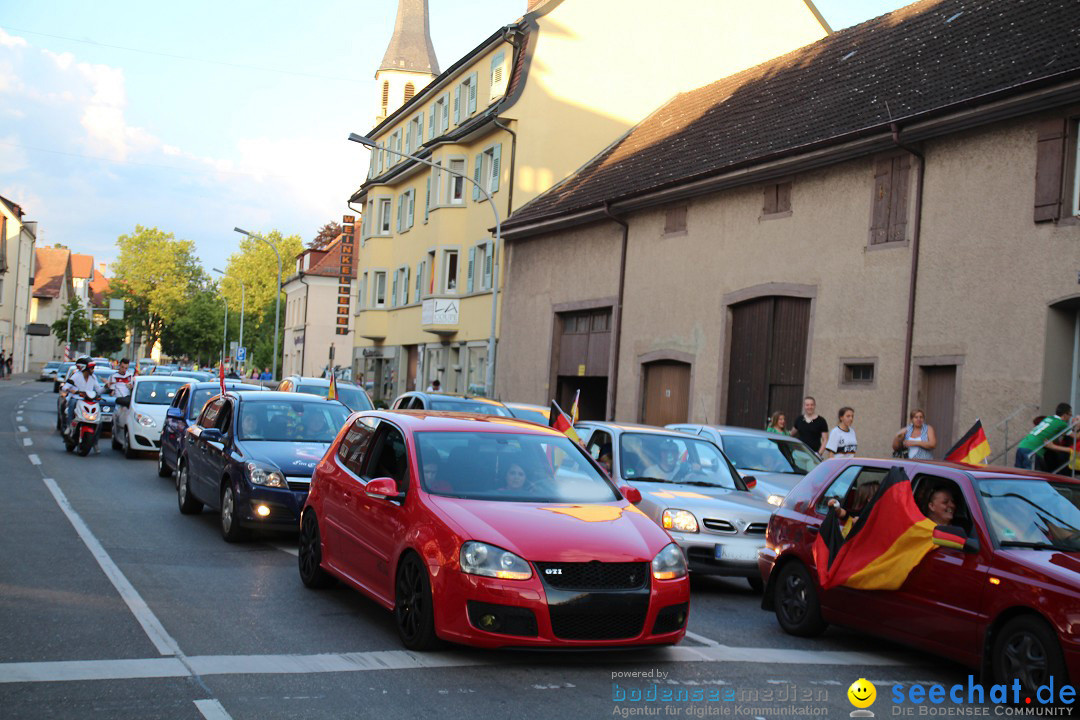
pixel 211 435
pixel 951 536
pixel 174 413
pixel 124 401
pixel 632 494
pixel 384 488
pixel 750 481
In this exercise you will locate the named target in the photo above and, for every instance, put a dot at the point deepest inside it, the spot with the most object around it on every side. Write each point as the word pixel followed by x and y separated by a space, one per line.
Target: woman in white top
pixel 917 439
pixel 842 442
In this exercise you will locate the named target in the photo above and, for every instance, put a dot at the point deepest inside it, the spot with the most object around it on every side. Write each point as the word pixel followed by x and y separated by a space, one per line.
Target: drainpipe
pixel 613 387
pixel 513 162
pixel 303 345
pixel 914 274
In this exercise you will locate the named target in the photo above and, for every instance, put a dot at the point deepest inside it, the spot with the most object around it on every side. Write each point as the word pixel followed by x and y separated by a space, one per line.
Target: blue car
pixel 250 456
pixel 186 406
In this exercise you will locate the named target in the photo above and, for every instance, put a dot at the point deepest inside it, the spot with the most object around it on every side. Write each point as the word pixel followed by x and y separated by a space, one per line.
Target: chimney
pixel 101 268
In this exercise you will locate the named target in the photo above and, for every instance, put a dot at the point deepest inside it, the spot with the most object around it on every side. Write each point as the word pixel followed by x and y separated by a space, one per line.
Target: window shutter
pixel 431 122
pixel 405 285
pixel 419 274
pixel 901 172
pixel 497 72
pixel 770 200
pixel 489 262
pixel 420 129
pixel 1049 163
pixel 427 200
pixel 446 112
pixel 469 277
pixel 496 165
pixel 472 93
pixel 400 214
pixel 412 208
pixel 409 137
pixel 879 225
pixel 457 105
pixel 394 295
pixel 477 175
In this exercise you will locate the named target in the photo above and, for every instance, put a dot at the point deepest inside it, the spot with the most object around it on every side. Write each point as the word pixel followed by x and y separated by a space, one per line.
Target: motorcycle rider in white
pixel 81 381
pixel 120 381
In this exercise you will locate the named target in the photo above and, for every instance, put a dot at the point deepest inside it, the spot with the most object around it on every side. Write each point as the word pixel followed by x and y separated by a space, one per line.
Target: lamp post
pixel 489 383
pixel 225 326
pixel 240 342
pixel 277 301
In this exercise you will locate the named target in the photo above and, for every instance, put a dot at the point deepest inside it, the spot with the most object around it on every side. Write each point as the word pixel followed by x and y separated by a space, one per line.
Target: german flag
pixel 558 420
pixel 972 449
pixel 884 544
pixel 948 536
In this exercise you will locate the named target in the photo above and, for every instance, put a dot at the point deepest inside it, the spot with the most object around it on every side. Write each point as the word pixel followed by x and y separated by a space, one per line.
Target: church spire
pixel 410 48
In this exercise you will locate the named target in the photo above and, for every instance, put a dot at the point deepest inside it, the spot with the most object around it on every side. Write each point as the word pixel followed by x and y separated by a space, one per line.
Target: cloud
pixel 11 41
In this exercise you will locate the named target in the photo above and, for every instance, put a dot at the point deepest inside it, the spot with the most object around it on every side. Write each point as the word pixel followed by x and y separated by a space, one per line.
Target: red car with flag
pixel 997 587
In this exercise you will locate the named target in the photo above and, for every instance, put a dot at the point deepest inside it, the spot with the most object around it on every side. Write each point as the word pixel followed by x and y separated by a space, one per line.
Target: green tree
pixel 155 273
pixel 326 234
pixel 109 337
pixel 80 324
pixel 196 332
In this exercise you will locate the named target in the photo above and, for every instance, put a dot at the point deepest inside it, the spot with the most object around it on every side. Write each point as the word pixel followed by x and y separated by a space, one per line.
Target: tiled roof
pixel 99 288
pixel 82 266
pixel 52 266
pixel 916 60
pixel 327 263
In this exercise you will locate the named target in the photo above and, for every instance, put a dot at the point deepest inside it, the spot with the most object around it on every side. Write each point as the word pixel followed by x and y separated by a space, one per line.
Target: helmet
pixel 84 363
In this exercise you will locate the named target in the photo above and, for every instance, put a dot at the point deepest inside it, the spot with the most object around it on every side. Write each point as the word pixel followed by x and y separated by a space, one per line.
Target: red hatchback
pixel 488 531
pixel 1009 603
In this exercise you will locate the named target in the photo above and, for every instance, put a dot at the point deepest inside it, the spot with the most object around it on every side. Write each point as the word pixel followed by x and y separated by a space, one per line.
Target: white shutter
pixel 472 93
pixel 469 276
pixel 446 112
pixel 477 175
pixel 489 261
pixel 393 295
pixel 496 165
pixel 457 105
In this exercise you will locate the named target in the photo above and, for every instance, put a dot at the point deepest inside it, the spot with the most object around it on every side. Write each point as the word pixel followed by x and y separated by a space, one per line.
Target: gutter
pixel 613 386
pixel 913 275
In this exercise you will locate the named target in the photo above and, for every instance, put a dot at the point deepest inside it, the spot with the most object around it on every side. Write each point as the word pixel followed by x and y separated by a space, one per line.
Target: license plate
pixel 742 553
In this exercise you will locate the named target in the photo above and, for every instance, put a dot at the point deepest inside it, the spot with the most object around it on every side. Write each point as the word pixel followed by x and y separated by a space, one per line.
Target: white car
pixel 140 417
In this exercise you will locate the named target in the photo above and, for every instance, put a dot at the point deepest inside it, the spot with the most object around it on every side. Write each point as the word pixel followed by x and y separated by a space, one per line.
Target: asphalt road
pixel 114 605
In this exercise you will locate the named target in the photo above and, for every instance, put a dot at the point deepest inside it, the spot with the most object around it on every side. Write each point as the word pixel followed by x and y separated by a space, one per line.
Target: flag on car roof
pixel 558 420
pixel 331 394
pixel 221 376
pixel 574 408
pixel 972 449
pixel 889 538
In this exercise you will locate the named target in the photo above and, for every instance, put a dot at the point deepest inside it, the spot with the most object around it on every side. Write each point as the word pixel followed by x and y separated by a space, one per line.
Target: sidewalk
pixel 21 378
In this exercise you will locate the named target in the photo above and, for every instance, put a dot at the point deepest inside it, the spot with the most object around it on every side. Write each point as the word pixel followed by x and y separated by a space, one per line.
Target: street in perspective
pixel 540 358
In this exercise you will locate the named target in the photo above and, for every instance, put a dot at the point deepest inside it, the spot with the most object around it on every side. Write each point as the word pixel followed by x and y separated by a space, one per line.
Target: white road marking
pixel 34 459
pixel 702 639
pixel 75 670
pixel 295 552
pixel 18 418
pixel 22 428
pixel 27 442
pixel 153 628
pixel 212 710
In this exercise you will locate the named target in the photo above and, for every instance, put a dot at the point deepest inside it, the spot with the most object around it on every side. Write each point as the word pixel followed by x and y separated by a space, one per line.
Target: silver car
pixel 691 490
pixel 777 462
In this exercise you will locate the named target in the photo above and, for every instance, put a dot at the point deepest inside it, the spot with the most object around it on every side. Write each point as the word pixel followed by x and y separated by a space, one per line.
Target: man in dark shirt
pixel 810 427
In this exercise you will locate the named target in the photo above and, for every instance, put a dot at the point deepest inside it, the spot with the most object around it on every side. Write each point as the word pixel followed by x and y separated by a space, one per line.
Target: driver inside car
pixel 667 462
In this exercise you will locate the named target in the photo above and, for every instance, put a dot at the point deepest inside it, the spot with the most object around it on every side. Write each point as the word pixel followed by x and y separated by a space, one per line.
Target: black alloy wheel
pixel 231 530
pixel 796 600
pixel 1027 649
pixel 189 505
pixel 310 554
pixel 413 609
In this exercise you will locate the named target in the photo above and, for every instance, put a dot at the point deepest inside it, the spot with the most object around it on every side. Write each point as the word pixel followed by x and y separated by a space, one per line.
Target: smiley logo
pixel 862 693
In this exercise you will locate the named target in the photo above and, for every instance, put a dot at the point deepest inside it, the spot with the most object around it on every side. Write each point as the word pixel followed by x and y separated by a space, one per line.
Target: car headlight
pixel 669 563
pixel 144 420
pixel 679 520
pixel 775 499
pixel 267 478
pixel 479 558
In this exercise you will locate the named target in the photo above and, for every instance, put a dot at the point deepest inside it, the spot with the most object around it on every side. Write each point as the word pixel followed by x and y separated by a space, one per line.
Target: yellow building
pixel 519 113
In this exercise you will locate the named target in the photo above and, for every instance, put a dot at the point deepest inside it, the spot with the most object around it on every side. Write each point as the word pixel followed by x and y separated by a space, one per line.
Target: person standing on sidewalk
pixel 842 441
pixel 810 427
pixel 1029 453
pixel 3 365
pixel 917 439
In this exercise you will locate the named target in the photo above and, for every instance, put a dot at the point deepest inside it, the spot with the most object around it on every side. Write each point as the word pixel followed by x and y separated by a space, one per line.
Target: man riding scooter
pixel 81 383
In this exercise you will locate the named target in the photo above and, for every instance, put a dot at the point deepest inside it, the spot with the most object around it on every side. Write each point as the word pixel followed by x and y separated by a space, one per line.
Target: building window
pixel 777 199
pixel 385 95
pixel 859 372
pixel 410 90
pixel 361 297
pixel 416 133
pixel 675 219
pixel 468 96
pixel 491 168
pixel 378 295
pixel 385 205
pixel 498 74
pixel 456 179
pixel 889 223
pixel 429 278
pixel 483 266
pixel 450 271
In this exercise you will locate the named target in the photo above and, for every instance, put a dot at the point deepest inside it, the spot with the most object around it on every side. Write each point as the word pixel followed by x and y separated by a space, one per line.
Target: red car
pixel 1008 603
pixel 489 531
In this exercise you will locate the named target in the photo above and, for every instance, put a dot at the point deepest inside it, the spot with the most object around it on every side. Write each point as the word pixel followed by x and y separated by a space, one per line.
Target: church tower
pixel 409 63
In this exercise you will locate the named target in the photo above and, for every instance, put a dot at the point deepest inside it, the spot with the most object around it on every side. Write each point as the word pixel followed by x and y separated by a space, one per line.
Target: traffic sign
pixel 241 355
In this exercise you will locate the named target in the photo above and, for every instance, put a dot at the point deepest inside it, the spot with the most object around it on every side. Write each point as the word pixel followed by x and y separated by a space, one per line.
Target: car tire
pixel 309 554
pixel 414 613
pixel 795 597
pixel 162 469
pixel 1027 649
pixel 116 439
pixel 128 452
pixel 229 519
pixel 755 584
pixel 189 505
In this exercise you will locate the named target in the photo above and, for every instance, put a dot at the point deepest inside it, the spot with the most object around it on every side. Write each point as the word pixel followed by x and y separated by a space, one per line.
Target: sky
pixel 197 117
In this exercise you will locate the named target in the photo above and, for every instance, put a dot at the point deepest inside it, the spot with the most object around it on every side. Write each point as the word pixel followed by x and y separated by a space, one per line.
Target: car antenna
pixel 704 412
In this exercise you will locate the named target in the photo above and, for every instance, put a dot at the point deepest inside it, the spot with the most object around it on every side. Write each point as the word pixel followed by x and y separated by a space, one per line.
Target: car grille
pixel 299 484
pixel 594 575
pixel 585 625
pixel 718 525
pixel 670 619
pixel 505 619
pixel 757 528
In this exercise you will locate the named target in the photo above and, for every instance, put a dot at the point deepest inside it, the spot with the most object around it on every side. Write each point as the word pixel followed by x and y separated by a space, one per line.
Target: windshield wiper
pixel 652 479
pixel 1035 545
pixel 703 483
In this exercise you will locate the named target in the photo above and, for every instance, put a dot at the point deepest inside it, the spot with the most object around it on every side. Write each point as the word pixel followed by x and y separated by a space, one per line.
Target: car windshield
pixel 1033 513
pixel 51 365
pixel 152 392
pixel 765 454
pixel 509 467
pixel 675 459
pixel 536 416
pixel 291 420
pixel 350 395
pixel 453 404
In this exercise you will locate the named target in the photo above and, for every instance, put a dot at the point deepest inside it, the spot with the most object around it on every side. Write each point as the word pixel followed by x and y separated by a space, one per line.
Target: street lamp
pixel 240 342
pixel 277 302
pixel 489 382
pixel 225 326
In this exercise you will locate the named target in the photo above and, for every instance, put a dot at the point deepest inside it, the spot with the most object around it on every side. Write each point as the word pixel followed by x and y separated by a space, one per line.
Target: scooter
pixel 81 435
